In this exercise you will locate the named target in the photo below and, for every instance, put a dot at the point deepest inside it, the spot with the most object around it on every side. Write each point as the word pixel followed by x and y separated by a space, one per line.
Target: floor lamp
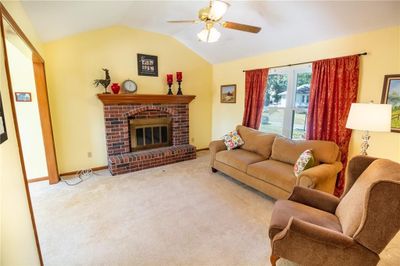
pixel 369 117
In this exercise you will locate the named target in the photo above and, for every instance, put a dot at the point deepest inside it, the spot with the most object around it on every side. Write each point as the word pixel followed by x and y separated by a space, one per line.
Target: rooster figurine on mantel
pixel 104 82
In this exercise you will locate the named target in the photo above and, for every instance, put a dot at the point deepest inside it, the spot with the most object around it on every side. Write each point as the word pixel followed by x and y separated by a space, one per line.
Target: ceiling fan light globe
pixel 209 36
pixel 217 10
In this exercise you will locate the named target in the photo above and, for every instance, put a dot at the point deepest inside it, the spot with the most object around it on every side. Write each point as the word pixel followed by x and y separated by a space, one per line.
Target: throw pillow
pixel 305 161
pixel 232 140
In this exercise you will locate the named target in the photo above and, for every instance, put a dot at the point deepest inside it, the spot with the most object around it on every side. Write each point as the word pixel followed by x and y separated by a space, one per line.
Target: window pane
pixel 303 81
pixel 277 85
pixel 272 120
pixel 299 124
pixel 286 101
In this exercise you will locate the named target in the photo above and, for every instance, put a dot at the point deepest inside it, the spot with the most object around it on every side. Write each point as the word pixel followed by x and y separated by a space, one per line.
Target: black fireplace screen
pixel 150 133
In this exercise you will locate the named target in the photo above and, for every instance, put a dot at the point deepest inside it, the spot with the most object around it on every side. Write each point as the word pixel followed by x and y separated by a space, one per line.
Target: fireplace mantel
pixel 109 99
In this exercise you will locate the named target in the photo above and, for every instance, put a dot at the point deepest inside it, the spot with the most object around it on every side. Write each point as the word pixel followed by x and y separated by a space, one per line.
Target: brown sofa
pixel 265 162
pixel 315 228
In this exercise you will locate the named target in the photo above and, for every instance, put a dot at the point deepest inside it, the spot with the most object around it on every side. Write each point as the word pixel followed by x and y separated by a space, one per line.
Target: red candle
pixel 170 79
pixel 179 76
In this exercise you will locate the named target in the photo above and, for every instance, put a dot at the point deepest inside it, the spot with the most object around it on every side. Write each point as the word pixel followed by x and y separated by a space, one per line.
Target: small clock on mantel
pixel 129 86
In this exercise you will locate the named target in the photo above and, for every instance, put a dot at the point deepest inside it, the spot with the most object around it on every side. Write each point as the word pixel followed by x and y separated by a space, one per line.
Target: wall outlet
pixel 192 140
pixel 89 154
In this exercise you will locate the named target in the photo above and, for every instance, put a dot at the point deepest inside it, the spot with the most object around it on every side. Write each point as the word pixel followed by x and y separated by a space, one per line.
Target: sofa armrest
pixel 319 174
pixel 317 235
pixel 215 146
pixel 314 198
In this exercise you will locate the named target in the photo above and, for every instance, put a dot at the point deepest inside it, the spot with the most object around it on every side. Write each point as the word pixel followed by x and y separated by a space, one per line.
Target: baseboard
pixel 93 169
pixel 38 179
pixel 204 149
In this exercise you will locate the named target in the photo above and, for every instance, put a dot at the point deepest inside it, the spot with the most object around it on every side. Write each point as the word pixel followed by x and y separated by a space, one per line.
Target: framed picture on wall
pixel 23 97
pixel 3 131
pixel 147 65
pixel 391 95
pixel 228 93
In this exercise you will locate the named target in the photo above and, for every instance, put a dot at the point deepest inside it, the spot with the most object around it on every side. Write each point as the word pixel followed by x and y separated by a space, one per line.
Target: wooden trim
pixel 38 179
pixel 3 13
pixel 18 30
pixel 94 169
pixel 273 259
pixel 108 99
pixel 203 149
pixel 45 119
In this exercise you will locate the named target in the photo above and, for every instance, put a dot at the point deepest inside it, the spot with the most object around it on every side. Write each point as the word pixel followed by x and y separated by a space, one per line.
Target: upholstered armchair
pixel 316 228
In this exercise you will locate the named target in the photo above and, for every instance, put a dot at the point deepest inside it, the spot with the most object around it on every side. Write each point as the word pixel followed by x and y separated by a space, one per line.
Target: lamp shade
pixel 370 117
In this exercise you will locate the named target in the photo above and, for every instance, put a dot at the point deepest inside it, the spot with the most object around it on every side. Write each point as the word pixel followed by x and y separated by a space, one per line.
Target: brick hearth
pixel 120 158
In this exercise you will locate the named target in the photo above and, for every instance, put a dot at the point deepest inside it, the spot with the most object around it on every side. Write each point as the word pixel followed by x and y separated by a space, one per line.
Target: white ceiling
pixel 284 24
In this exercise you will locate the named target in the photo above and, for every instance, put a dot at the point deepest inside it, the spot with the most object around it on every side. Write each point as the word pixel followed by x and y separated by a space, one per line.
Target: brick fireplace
pixel 132 121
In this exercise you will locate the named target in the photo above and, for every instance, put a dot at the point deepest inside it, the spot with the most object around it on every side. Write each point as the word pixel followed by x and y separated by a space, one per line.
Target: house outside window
pixel 286 101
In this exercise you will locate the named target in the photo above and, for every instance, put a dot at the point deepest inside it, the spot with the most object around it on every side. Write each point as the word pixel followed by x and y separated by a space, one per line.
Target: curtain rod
pixel 365 53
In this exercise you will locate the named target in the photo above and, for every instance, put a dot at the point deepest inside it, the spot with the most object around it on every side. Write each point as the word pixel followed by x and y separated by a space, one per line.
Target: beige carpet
pixel 179 214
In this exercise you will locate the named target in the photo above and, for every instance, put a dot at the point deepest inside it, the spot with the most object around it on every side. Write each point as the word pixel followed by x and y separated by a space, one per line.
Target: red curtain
pixel 334 87
pixel 254 97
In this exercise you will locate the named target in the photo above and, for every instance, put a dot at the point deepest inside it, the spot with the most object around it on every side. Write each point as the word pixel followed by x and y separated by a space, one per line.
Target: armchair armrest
pixel 319 174
pixel 298 229
pixel 315 198
pixel 215 146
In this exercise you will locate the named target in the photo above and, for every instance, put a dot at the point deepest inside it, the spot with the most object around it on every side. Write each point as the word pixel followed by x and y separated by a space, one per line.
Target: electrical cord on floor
pixel 81 175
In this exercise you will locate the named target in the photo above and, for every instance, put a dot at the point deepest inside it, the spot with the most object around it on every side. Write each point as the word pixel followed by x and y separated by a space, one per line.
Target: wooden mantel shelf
pixel 108 99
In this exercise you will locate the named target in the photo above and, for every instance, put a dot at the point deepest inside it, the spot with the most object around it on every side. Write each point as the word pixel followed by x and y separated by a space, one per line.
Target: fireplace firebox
pixel 149 133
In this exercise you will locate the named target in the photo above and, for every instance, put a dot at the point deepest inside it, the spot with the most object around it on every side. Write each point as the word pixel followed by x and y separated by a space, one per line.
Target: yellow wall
pixel 28 117
pixel 19 15
pixel 74 62
pixel 383 47
pixel 17 237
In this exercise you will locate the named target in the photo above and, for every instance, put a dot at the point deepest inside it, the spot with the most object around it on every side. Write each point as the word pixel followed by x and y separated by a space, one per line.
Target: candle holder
pixel 169 89
pixel 179 88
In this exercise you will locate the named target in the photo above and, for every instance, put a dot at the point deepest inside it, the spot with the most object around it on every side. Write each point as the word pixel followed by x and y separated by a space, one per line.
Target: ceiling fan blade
pixel 242 27
pixel 182 21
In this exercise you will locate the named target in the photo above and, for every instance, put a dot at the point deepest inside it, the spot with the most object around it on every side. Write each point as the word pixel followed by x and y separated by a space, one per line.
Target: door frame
pixel 44 113
pixel 42 95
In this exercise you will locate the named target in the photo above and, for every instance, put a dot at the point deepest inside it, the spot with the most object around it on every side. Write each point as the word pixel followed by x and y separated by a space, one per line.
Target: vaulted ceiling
pixel 284 24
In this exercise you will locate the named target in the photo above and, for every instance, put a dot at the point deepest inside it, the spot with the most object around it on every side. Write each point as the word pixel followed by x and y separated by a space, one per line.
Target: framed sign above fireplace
pixel 147 65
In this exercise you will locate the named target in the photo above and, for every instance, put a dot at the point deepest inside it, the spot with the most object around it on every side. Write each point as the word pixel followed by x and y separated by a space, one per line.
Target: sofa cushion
pixel 274 172
pixel 256 141
pixel 285 209
pixel 287 150
pixel 238 158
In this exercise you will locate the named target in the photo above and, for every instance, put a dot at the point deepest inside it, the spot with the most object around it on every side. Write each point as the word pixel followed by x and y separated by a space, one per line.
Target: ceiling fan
pixel 212 15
